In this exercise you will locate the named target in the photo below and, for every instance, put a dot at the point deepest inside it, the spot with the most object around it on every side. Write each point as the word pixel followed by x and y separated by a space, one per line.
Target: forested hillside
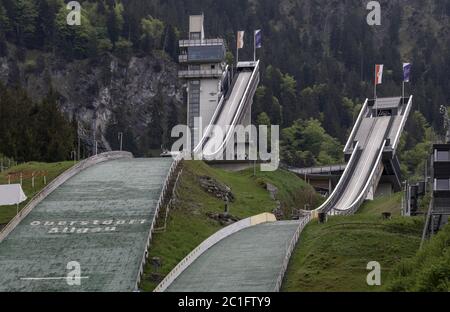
pixel 318 63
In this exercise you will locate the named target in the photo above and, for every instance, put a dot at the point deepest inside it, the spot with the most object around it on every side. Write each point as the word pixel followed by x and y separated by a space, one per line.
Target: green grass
pixel 428 270
pixel 53 170
pixel 334 256
pixel 188 224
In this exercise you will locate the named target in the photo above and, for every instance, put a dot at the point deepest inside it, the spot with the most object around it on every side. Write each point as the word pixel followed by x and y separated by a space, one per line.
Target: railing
pixel 57 182
pixel 170 204
pixel 200 73
pixel 289 251
pixel 162 197
pixel 251 87
pixel 356 127
pixel 200 42
pixel 7 163
pixel 374 175
pixel 318 170
pixel 208 243
pixel 427 222
pixel 402 125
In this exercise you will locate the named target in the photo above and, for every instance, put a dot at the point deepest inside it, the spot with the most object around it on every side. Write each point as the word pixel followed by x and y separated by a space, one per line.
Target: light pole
pixel 79 140
pixel 120 137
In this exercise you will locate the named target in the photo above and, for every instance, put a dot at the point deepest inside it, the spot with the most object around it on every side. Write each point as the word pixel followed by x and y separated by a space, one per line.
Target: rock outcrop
pixel 106 95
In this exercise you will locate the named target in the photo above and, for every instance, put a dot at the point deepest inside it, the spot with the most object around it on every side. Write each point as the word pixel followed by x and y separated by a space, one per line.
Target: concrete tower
pixel 203 67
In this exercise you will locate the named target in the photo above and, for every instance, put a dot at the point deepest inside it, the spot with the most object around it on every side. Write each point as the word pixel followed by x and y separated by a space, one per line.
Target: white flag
pixel 240 39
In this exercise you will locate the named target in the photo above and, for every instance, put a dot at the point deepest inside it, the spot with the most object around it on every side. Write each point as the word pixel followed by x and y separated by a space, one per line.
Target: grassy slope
pixel 333 256
pixel 53 170
pixel 429 270
pixel 188 224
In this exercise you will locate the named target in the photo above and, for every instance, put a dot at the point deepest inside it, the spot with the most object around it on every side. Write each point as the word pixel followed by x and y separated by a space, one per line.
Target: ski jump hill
pixel 99 214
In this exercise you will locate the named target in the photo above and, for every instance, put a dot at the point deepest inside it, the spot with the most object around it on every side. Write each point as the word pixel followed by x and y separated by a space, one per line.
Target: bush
pixel 428 271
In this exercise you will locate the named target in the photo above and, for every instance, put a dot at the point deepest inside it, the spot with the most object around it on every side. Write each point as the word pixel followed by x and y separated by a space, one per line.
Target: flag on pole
pixel 406 72
pixel 258 39
pixel 379 74
pixel 240 39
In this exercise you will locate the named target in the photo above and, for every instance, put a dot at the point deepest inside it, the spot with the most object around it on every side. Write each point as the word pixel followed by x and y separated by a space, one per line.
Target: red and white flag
pixel 379 74
pixel 240 39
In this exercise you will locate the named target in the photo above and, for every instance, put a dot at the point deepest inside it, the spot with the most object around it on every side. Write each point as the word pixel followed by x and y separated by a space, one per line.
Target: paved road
pixel 247 261
pixel 99 218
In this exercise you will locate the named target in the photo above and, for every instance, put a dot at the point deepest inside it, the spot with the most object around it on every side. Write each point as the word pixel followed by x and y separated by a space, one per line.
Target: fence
pixel 169 205
pixel 160 203
pixel 208 243
pixel 7 163
pixel 289 251
pixel 58 182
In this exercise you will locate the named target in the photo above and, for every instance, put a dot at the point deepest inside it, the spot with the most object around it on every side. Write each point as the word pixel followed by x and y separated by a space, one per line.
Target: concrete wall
pixel 209 90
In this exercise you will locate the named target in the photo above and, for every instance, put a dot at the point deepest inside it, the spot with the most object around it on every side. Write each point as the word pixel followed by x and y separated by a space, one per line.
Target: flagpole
pixel 254 46
pixel 403 91
pixel 375 91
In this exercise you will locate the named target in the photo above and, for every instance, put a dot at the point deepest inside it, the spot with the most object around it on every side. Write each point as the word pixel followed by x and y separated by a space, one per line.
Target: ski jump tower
pixel 203 67
pixel 216 96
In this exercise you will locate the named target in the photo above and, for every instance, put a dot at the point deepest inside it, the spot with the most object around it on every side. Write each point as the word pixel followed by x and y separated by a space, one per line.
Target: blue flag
pixel 406 72
pixel 258 39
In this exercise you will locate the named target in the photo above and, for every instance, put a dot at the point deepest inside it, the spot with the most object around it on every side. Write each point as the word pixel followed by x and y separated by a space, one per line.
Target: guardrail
pixel 57 182
pixel 208 243
pixel 289 251
pixel 164 191
pixel 318 170
pixel 357 124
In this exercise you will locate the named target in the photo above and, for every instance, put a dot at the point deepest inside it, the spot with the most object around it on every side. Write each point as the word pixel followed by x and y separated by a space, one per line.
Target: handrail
pixel 427 222
pixel 239 111
pixel 365 190
pixel 341 180
pixel 402 124
pixel 165 185
pixel 208 243
pixel 357 124
pixel 200 42
pixel 289 251
pixel 58 181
